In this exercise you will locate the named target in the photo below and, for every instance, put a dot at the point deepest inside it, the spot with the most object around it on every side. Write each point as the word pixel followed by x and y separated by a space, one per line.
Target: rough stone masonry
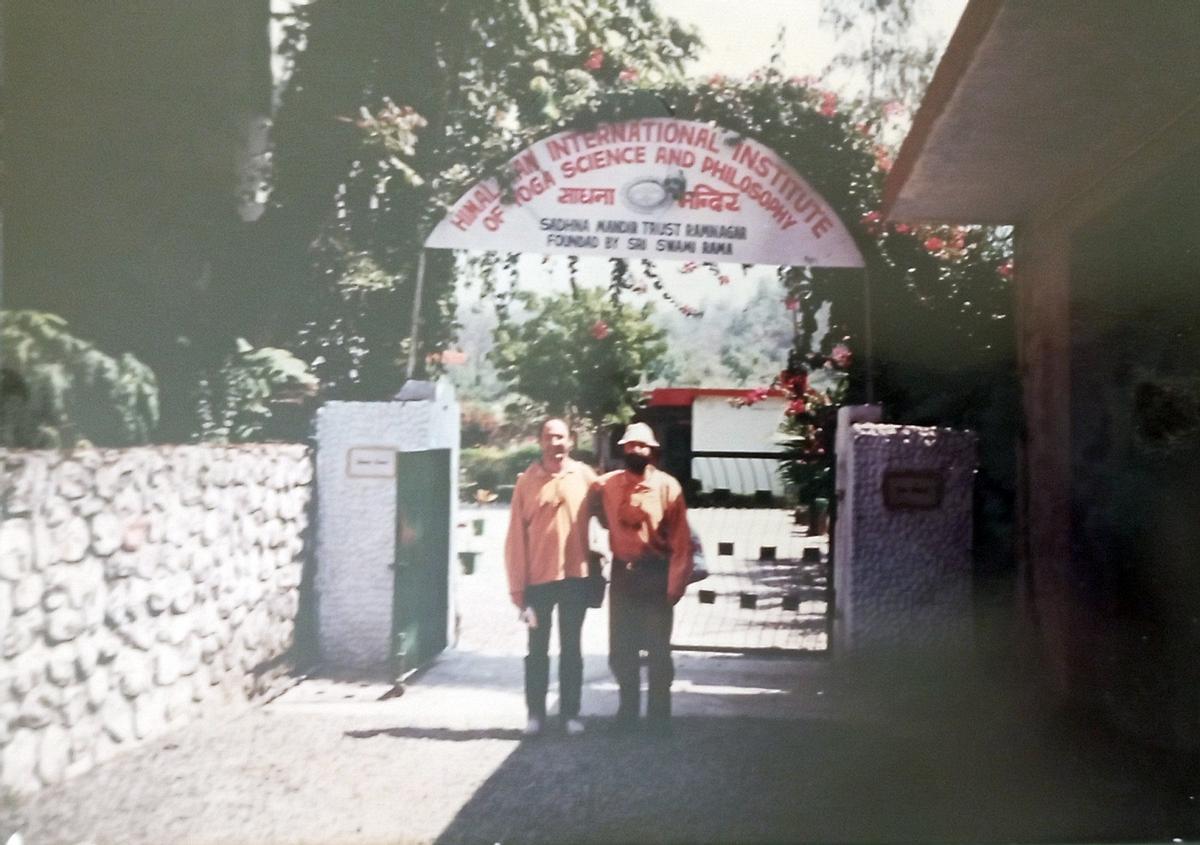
pixel 138 588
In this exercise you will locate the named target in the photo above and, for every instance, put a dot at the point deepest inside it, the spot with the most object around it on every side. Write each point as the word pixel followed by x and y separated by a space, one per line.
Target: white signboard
pixel 657 188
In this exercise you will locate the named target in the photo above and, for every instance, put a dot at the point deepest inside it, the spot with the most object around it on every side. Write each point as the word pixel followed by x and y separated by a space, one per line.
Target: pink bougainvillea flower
pixel 600 330
pixel 756 395
pixel 688 267
pixel 722 279
pixel 893 107
pixel 791 304
pixel 959 241
pixel 1006 269
pixel 595 60
pixel 863 128
pixel 871 222
pixel 934 244
pixel 628 74
pixel 716 79
pixel 829 104
pixel 794 383
pixel 796 406
pixel 841 356
pixel 903 228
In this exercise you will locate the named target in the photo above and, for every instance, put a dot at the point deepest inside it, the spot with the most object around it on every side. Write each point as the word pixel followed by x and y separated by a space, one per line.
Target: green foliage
pixel 57 391
pixel 492 468
pixel 240 402
pixel 579 355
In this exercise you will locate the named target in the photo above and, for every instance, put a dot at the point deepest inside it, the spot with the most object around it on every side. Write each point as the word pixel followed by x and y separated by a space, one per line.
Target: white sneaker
pixel 574 727
pixel 533 727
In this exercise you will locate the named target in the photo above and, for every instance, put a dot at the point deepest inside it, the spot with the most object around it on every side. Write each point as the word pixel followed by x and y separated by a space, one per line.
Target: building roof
pixel 1035 102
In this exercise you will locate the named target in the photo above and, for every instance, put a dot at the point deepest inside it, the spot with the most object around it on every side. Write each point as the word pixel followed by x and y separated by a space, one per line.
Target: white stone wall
pixel 903 576
pixel 139 587
pixel 356 521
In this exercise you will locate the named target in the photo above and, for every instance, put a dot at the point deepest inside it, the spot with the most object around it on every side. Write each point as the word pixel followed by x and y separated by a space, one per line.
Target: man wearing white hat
pixel 646 517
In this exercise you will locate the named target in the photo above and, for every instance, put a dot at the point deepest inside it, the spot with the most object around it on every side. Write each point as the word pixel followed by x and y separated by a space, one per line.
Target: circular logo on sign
pixel 647 195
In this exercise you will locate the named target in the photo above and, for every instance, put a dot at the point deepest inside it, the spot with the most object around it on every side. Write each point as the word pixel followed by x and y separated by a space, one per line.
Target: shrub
pixel 242 401
pixel 58 391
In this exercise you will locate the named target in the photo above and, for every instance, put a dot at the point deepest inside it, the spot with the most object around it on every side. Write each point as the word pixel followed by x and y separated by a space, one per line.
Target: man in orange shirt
pixel 646 517
pixel 546 558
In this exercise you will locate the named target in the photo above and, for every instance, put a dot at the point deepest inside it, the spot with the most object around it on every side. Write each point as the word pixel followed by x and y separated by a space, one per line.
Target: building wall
pixel 1110 357
pixel 718 426
pixel 356 551
pixel 140 588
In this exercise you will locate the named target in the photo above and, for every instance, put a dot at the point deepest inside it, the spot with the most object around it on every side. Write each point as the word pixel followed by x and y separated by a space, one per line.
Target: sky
pixel 736 50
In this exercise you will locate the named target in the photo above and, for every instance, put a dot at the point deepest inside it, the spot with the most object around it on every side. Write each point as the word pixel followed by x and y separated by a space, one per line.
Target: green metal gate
pixel 423 524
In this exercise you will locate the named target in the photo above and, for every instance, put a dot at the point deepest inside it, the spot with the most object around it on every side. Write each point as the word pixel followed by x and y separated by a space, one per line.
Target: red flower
pixel 600 330
pixel 1006 269
pixel 796 406
pixel 595 60
pixel 756 395
pixel 722 280
pixel 903 228
pixel 791 304
pixel 716 79
pixel 794 383
pixel 934 244
pixel 829 104
pixel 628 74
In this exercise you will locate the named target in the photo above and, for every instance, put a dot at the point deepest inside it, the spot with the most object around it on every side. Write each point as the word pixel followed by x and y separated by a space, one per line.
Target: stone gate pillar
pixel 902 551
pixel 355 579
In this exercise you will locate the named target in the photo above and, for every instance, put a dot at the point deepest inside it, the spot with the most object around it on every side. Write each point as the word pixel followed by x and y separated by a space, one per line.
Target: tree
pixel 880 42
pixel 387 118
pixel 579 355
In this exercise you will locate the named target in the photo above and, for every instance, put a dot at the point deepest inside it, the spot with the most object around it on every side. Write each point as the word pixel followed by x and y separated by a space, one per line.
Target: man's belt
pixel 647 564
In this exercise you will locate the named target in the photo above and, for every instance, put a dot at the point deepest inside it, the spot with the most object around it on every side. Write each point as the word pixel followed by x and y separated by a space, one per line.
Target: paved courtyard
pixel 764 750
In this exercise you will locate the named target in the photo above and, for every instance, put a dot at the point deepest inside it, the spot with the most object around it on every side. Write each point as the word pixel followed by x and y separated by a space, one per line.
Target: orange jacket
pixel 647 520
pixel 547 528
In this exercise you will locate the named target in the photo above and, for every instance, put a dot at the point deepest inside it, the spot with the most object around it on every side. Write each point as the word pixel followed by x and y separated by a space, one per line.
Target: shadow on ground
pixel 768 780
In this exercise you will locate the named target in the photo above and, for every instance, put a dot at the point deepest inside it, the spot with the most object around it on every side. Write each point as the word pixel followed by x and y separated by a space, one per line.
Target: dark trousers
pixel 571 598
pixel 640 617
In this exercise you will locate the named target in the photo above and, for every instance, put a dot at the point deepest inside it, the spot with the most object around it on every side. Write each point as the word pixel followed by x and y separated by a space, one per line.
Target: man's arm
pixel 516 546
pixel 679 534
pixel 595 503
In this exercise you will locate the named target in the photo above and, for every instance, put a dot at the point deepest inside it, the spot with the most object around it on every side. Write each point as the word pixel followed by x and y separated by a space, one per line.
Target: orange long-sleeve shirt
pixel 646 518
pixel 547 528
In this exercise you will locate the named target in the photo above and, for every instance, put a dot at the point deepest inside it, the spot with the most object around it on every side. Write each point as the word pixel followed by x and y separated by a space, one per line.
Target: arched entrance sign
pixel 656 188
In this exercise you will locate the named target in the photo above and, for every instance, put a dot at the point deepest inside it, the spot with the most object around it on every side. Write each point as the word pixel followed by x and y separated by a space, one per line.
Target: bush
pixel 490 468
pixel 242 401
pixel 57 391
